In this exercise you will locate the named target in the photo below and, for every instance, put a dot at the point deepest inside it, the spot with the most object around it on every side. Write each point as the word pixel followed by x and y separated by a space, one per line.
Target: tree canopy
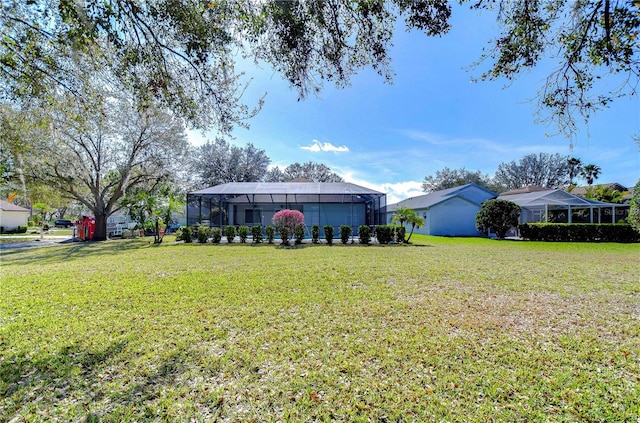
pixel 542 169
pixel 315 172
pixel 97 150
pixel 219 162
pixel 183 54
pixel 449 178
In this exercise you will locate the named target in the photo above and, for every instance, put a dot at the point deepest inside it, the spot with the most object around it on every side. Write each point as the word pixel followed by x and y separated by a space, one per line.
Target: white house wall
pixel 10 219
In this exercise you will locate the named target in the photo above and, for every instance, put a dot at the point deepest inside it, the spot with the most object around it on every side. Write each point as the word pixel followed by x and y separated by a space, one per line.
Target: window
pixel 249 215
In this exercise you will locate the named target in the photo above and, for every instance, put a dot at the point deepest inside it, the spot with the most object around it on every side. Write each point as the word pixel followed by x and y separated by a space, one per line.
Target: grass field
pixel 442 330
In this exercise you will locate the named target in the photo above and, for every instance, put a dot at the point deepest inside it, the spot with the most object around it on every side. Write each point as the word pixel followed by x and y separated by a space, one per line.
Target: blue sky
pixel 390 136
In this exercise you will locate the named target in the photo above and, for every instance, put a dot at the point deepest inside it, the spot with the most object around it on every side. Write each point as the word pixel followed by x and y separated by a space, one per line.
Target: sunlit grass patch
pixel 447 329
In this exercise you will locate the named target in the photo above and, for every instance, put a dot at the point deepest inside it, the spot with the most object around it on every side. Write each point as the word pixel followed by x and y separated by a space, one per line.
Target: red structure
pixel 85 227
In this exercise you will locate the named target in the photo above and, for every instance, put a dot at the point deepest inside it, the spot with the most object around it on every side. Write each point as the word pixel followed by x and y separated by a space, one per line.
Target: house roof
pixel 436 197
pixel 266 188
pixel 527 189
pixel 7 206
pixel 582 190
pixel 556 197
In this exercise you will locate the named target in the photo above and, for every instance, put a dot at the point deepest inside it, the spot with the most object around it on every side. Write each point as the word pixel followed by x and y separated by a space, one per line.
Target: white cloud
pixel 318 146
pixel 396 191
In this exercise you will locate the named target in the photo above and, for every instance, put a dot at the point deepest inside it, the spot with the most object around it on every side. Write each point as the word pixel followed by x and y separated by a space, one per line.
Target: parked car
pixel 63 223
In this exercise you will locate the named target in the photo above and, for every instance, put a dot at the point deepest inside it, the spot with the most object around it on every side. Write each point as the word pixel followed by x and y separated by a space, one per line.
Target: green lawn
pixel 443 330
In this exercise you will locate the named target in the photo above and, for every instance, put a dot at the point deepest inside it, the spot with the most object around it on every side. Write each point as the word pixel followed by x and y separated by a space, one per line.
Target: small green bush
pixel 315 234
pixel 328 234
pixel 183 233
pixel 203 234
pixel 256 233
pixel 298 232
pixel 271 233
pixel 230 233
pixel 283 231
pixel 216 235
pixel 384 233
pixel 243 233
pixel 364 233
pixel 345 233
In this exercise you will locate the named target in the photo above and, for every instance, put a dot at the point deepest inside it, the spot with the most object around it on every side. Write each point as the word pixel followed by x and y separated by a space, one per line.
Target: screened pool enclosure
pixel 255 203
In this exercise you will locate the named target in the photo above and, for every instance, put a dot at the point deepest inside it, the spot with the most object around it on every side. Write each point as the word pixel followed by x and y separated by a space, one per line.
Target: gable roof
pixel 436 197
pixel 240 188
pixel 582 190
pixel 523 190
pixel 7 206
pixel 556 197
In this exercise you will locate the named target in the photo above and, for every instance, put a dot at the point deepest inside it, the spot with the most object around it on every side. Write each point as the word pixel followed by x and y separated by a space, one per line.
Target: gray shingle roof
pixel 550 197
pixel 266 188
pixel 431 199
pixel 7 206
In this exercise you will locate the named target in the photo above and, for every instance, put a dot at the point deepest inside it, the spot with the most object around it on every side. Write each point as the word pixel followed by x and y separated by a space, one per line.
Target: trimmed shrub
pixel 364 233
pixel 634 208
pixel 21 230
pixel 579 232
pixel 283 231
pixel 498 216
pixel 203 234
pixel 288 218
pixel 383 233
pixel 271 233
pixel 184 233
pixel 243 233
pixel 400 232
pixel 328 234
pixel 315 234
pixel 230 233
pixel 298 232
pixel 216 235
pixel 345 233
pixel 256 233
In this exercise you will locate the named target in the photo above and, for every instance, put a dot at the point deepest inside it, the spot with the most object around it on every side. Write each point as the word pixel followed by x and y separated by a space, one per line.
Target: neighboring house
pixel 558 206
pixel 118 222
pixel 12 216
pixel 450 212
pixel 255 203
pixel 582 190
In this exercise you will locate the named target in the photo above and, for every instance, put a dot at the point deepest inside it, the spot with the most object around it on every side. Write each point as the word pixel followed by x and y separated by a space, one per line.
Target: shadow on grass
pixel 73 251
pixel 72 370
pixel 76 376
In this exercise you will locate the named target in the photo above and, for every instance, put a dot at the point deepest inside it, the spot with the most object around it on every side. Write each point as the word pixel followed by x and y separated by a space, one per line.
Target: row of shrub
pixel 18 230
pixel 578 232
pixel 202 234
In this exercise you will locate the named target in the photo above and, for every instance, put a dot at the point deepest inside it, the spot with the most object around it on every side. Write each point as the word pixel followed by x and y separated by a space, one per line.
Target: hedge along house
pixel 558 206
pixel 449 212
pixel 255 203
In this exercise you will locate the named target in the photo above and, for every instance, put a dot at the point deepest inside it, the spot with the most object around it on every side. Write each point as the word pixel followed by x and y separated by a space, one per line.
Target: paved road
pixel 31 241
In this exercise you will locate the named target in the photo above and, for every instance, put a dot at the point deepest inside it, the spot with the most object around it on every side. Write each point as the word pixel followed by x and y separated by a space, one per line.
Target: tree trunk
pixel 100 233
pixel 411 233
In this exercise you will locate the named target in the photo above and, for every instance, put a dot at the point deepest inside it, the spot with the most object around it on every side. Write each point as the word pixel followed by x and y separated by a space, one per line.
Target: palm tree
pixel 575 168
pixel 405 214
pixel 590 172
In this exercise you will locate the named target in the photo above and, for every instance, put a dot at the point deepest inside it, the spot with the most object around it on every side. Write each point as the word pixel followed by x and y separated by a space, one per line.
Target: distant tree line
pixel 218 162
pixel 542 169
